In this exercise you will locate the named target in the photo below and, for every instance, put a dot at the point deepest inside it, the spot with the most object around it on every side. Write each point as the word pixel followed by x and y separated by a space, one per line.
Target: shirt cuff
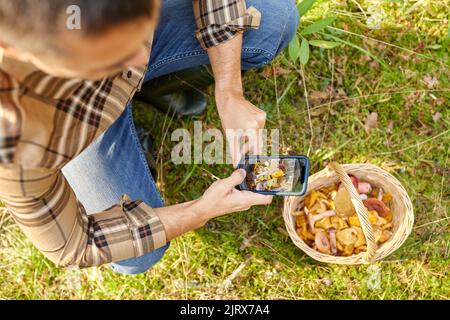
pixel 147 230
pixel 213 30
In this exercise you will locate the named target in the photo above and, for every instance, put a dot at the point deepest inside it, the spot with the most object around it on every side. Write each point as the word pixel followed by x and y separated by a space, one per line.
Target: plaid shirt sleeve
pixel 46 209
pixel 220 20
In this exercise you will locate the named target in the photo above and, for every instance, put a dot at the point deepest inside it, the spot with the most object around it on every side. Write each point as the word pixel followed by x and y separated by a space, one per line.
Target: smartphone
pixel 275 175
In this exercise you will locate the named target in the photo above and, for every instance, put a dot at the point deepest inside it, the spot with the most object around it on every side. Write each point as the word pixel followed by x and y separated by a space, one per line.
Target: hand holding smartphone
pixel 275 175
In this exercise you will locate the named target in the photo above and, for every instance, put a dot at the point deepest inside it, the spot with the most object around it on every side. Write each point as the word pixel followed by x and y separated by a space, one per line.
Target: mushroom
pixel 332 234
pixel 324 223
pixel 333 194
pixel 347 236
pixel 311 199
pixel 343 203
pixel 322 242
pixel 319 207
pixel 354 221
pixel 387 226
pixel 380 222
pixel 360 249
pixel 348 250
pixel 373 216
pixel 364 187
pixel 385 236
pixel 380 194
pixel 313 218
pixel 355 180
pixel 387 197
pixel 361 238
pixel 338 223
pixel 378 206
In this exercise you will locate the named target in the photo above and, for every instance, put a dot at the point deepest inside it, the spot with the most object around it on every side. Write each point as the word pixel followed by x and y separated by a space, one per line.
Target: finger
pixel 245 149
pixel 254 137
pixel 235 179
pixel 235 151
pixel 255 199
pixel 257 142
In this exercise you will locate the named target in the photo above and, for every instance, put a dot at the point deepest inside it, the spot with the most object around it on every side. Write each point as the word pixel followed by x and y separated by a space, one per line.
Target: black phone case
pixel 248 161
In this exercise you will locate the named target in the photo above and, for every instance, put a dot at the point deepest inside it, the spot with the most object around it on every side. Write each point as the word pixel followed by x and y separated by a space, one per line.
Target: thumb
pixel 235 179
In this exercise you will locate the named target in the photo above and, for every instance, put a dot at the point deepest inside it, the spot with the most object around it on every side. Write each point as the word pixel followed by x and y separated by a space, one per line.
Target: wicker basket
pixel 401 206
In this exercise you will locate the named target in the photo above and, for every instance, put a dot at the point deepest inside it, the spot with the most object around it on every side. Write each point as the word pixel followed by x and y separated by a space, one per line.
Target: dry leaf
pixel 430 81
pixel 371 122
pixel 279 71
pixel 318 96
pixel 374 64
pixel 437 116
pixel 390 126
pixel 410 99
pixel 318 111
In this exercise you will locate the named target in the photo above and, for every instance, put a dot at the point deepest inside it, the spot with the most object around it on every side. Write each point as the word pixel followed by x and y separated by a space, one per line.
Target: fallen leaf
pixel 409 73
pixel 410 99
pixel 390 126
pixel 245 244
pixel 279 71
pixel 371 122
pixel 419 47
pixel 437 116
pixel 374 64
pixel 430 81
pixel 405 56
pixel 317 96
pixel 437 102
pixel 318 111
pixel 324 96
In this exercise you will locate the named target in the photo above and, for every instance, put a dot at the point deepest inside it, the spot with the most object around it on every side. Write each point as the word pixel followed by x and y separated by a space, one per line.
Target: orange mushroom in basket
pixel 322 242
pixel 377 205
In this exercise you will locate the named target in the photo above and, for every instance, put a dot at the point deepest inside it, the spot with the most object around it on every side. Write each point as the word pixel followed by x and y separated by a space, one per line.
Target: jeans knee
pixel 291 25
pixel 141 264
pixel 279 24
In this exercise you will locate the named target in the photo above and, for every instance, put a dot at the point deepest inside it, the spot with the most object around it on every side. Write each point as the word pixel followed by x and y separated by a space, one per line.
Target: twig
pixel 360 8
pixel 374 95
pixel 302 70
pixel 211 174
pixel 383 42
pixel 161 148
pixel 432 222
pixel 228 282
pixel 329 101
pixel 278 109
pixel 413 146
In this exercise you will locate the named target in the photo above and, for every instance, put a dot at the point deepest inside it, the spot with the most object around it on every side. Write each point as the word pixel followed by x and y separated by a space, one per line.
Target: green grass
pixel 413 43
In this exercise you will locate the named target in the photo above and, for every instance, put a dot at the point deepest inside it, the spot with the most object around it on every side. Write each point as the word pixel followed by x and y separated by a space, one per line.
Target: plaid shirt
pixel 47 121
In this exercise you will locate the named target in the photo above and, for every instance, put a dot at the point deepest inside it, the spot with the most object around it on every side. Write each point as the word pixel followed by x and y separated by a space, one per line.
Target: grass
pixel 249 255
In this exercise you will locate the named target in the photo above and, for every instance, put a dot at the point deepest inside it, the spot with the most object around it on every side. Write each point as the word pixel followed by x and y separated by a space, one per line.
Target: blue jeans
pixel 115 163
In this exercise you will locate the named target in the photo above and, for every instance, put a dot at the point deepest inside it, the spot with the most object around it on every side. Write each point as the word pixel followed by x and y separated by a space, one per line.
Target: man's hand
pixel 221 198
pixel 242 122
pixel 235 112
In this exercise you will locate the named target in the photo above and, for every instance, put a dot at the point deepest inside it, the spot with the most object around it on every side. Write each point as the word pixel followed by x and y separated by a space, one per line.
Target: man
pixel 72 171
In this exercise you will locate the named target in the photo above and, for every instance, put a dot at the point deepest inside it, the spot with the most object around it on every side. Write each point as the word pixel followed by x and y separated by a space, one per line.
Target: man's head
pixel 109 37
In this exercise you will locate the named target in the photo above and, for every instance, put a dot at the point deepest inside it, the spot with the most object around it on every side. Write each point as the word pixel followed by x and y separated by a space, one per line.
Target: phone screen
pixel 284 175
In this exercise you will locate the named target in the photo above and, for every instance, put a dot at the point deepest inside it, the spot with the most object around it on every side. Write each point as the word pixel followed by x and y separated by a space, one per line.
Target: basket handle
pixel 361 210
